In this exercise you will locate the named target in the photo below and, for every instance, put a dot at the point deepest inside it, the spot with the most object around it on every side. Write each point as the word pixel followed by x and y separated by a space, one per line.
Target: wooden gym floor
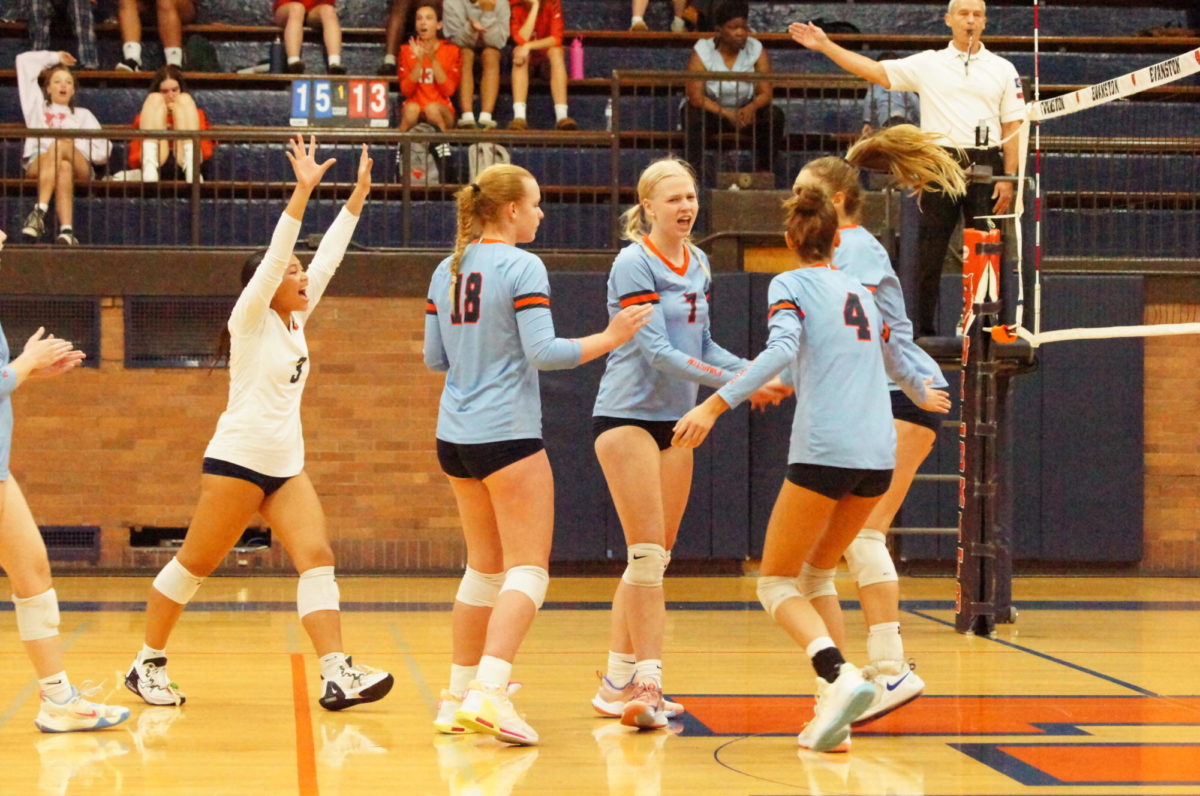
pixel 1095 690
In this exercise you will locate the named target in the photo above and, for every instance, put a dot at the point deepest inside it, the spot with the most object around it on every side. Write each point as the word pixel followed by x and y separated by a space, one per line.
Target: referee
pixel 972 99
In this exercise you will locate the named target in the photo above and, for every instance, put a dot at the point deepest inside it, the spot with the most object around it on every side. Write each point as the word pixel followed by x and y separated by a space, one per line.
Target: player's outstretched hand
pixel 304 164
pixel 693 428
pixel 43 352
pixel 625 324
pixel 935 400
pixel 363 183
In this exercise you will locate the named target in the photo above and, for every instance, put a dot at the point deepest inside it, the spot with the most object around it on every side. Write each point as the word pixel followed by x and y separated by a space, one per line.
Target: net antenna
pixel 1039 110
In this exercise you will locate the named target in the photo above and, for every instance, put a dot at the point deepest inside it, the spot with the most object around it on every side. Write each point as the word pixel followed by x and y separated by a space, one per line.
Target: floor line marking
pixel 306 758
pixel 414 671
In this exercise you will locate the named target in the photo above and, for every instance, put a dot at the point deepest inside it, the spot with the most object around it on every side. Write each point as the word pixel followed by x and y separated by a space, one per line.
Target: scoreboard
pixel 329 102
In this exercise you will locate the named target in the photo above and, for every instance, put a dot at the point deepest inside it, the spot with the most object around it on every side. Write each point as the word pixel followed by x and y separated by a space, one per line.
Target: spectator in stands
pixel 537 30
pixel 972 98
pixel 47 90
pixel 172 14
pixel 678 24
pixel 725 106
pixel 430 68
pixel 293 15
pixel 883 108
pixel 42 11
pixel 397 21
pixel 168 106
pixel 478 25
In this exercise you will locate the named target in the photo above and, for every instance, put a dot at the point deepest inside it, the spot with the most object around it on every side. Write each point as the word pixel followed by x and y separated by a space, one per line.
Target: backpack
pixel 423 169
pixel 480 156
pixel 199 55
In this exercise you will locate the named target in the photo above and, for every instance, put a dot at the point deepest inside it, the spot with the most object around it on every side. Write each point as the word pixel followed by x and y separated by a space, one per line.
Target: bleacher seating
pixel 819 121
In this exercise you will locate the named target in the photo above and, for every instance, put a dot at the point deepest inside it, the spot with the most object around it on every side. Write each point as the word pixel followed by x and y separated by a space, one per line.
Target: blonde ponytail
pixel 914 159
pixel 480 202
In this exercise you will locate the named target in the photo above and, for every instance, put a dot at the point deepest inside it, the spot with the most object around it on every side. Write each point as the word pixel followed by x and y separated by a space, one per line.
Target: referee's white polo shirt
pixel 956 97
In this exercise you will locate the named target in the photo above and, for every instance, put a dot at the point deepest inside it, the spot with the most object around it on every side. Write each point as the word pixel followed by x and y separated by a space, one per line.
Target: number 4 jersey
pixel 492 337
pixel 825 328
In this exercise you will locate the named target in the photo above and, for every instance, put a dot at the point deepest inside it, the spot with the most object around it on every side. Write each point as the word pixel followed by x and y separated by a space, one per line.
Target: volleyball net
pixel 1115 176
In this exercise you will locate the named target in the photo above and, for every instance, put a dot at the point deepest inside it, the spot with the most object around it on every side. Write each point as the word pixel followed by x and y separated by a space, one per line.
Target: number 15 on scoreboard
pixel 350 103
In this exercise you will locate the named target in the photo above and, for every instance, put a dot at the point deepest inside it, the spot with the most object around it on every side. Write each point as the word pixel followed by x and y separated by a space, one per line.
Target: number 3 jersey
pixel 268 357
pixel 492 338
pixel 656 375
pixel 825 328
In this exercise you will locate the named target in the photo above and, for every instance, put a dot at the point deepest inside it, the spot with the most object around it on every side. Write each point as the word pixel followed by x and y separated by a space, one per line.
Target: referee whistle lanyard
pixel 967 60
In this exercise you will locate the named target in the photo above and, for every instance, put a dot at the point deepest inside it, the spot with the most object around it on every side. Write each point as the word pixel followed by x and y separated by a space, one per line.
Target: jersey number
pixel 691 298
pixel 854 315
pixel 466 301
pixel 299 369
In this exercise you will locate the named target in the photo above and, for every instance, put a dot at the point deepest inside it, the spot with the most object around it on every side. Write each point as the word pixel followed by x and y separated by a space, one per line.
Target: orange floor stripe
pixel 1071 763
pixel 306 758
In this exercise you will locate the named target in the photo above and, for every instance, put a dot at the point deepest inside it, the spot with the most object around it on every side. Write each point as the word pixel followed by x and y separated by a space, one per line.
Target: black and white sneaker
pixel 149 680
pixel 35 225
pixel 354 685
pixel 129 65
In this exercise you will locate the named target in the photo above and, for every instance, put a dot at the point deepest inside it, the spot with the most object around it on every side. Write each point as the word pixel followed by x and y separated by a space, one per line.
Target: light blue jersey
pixel 8 383
pixel 826 330
pixel 493 338
pixel 655 376
pixel 865 259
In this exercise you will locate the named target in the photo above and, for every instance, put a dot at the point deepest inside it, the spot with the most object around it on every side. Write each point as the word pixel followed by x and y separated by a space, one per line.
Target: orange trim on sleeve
pixel 531 301
pixel 639 298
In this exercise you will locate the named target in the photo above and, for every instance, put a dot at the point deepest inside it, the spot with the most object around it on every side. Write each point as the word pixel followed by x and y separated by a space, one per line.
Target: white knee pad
pixel 530 581
pixel 37 616
pixel 868 559
pixel 647 563
pixel 815 582
pixel 479 588
pixel 177 584
pixel 317 591
pixel 775 590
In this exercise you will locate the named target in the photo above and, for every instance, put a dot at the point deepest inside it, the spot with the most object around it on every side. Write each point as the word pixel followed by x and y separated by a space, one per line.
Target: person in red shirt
pixel 168 106
pixel 293 15
pixel 537 33
pixel 430 68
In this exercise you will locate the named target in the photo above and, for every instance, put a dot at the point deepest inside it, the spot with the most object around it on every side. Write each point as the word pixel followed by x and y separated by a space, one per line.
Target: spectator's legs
pixel 85 33
pixel 394 35
pixel 439 115
pixel 129 20
pixel 185 116
pixel 72 167
pixel 153 117
pixel 290 17
pixel 489 83
pixel 558 75
pixel 331 30
pixel 939 216
pixel 40 14
pixel 172 14
pixel 768 132
pixel 466 86
pixel 42 167
pixel 520 82
pixel 410 114
pixel 637 11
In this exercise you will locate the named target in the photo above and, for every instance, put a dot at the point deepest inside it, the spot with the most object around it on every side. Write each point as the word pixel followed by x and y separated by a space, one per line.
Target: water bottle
pixel 577 59
pixel 277 56
pixel 608 115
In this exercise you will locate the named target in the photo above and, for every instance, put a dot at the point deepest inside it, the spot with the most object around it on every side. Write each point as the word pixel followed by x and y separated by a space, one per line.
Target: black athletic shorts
pixel 837 482
pixel 904 409
pixel 269 484
pixel 481 460
pixel 661 430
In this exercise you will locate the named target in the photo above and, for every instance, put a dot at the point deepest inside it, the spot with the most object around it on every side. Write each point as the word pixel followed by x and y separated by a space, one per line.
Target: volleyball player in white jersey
pixel 826 330
pixel 62 708
pixel 649 384
pixel 488 325
pixel 904 149
pixel 255 460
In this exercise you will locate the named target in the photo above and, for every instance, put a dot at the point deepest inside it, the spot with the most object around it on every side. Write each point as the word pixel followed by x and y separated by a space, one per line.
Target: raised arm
pixel 812 37
pixel 29 66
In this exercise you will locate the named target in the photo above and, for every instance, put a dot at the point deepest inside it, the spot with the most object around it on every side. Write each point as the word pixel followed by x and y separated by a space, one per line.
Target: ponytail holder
pixel 475 188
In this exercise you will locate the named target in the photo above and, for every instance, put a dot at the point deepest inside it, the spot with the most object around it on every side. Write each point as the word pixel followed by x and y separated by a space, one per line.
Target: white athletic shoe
pixel 488 710
pixel 838 704
pixel 448 705
pixel 609 700
pixel 148 679
pixel 645 709
pixel 77 713
pixel 896 684
pixel 354 685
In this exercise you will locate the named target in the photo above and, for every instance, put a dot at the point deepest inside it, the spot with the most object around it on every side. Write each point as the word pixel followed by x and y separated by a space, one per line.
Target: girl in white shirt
pixel 255 461
pixel 47 90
